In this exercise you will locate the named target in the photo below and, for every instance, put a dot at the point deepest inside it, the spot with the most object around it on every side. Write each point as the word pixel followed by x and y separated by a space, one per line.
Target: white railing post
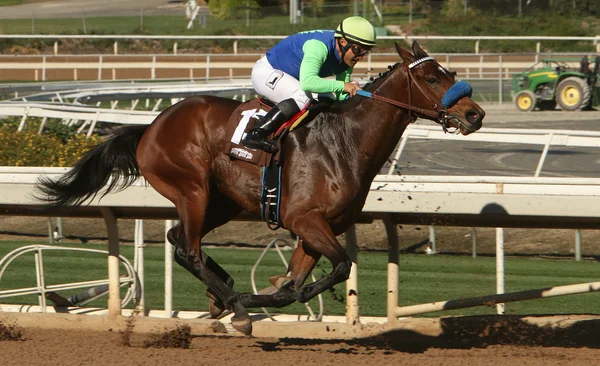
pixel 500 82
pixel 393 267
pixel 577 245
pixel 474 234
pixel 207 67
pixel 538 170
pixel 44 68
pixel 500 267
pixel 153 71
pixel 114 298
pixel 168 272
pixel 100 67
pixel 139 262
pixel 352 308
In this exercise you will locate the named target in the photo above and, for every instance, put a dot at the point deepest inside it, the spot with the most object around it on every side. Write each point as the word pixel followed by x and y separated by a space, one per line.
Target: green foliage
pixel 454 9
pixel 226 9
pixel 10 2
pixel 57 146
pixel 494 25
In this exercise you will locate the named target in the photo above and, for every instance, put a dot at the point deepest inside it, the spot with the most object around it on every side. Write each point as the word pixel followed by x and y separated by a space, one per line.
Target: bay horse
pixel 330 164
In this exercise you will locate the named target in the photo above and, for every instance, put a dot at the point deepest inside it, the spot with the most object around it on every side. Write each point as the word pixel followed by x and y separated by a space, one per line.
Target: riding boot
pixel 268 124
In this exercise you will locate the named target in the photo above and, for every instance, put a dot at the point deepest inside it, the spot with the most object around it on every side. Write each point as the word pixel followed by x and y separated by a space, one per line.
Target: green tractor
pixel 556 81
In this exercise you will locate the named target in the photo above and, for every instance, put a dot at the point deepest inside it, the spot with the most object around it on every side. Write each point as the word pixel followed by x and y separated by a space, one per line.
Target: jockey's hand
pixel 351 88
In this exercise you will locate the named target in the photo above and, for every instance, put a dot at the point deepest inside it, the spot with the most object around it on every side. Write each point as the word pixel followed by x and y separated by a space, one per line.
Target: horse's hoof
pixel 279 281
pixel 241 320
pixel 215 307
pixel 243 325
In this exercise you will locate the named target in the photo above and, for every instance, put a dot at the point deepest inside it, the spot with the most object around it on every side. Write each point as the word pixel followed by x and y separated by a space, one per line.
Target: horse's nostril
pixel 474 116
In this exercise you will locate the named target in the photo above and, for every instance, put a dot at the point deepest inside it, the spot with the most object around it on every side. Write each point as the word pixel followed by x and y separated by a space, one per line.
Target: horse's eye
pixel 432 80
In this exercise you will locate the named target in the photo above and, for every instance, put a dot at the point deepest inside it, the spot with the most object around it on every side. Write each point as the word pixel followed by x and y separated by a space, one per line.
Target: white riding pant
pixel 277 85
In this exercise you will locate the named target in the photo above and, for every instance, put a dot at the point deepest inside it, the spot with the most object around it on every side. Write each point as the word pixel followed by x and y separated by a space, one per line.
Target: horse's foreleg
pixel 302 263
pixel 317 239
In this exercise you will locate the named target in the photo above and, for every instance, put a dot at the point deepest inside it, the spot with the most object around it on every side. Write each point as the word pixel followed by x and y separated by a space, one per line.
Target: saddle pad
pixel 241 121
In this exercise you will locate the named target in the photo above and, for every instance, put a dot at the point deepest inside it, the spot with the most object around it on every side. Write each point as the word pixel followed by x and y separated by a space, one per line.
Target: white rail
pixel 472 201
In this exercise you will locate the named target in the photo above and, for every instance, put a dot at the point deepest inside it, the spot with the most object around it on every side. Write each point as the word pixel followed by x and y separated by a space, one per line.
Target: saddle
pixel 243 119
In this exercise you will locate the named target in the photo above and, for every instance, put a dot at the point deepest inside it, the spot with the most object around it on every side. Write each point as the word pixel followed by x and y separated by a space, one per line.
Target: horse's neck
pixel 378 126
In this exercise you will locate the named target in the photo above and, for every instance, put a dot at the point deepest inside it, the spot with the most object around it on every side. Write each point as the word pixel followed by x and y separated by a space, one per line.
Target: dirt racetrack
pixel 27 339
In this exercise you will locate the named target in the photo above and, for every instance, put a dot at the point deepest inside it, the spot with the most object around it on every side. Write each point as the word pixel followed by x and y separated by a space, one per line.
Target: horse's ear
pixel 404 54
pixel 418 51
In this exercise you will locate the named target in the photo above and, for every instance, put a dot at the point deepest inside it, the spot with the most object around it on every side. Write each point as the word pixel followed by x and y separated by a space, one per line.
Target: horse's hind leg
pixel 192 210
pixel 215 305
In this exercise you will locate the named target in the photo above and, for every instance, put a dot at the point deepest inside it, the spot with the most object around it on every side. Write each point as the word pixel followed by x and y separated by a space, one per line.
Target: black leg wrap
pixel 219 271
pixel 276 300
pixel 340 273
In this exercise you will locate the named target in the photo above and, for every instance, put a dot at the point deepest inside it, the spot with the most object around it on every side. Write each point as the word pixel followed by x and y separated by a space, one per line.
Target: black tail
pixel 113 158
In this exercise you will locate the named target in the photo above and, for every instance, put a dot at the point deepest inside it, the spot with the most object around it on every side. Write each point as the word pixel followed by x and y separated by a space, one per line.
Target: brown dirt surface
pixel 50 340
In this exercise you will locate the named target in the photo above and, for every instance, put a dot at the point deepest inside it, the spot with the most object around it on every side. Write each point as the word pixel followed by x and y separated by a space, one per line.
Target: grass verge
pixel 422 279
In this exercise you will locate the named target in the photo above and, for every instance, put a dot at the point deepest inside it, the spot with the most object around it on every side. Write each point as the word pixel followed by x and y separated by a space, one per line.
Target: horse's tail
pixel 115 157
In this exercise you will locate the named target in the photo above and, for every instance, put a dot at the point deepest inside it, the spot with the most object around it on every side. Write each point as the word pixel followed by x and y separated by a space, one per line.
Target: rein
pixel 430 113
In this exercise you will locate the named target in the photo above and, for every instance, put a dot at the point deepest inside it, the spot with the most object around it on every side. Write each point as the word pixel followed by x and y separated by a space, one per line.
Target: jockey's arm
pixel 315 54
pixel 346 77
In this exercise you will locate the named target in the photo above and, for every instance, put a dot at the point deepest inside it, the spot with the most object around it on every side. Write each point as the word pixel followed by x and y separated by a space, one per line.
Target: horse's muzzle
pixel 473 119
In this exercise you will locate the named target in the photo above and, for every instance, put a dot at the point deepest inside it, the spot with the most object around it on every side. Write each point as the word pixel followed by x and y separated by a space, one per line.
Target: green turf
pixel 10 2
pixel 422 279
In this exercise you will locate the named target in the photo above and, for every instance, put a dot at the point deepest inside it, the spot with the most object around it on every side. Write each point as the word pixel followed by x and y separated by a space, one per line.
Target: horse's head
pixel 433 89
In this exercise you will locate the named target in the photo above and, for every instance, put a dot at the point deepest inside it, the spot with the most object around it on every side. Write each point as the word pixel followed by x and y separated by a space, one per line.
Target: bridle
pixel 439 113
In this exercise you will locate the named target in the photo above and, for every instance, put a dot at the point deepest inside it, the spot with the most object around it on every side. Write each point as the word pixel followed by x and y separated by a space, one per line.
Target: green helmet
pixel 357 30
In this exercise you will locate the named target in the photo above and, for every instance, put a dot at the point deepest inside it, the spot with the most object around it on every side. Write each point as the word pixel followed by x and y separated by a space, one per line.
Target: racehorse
pixel 330 164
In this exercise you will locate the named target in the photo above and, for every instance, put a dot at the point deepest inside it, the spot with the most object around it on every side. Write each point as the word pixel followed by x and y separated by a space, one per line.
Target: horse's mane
pixel 329 122
pixel 374 82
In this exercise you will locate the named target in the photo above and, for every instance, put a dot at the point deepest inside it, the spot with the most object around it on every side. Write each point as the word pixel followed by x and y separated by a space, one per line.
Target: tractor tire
pixel 573 93
pixel 525 100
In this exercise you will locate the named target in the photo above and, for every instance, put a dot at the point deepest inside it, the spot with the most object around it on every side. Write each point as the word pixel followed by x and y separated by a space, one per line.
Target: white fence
pixel 495 201
pixel 231 66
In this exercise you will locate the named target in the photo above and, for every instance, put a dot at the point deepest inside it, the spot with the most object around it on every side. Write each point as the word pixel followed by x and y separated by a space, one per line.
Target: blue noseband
pixel 455 93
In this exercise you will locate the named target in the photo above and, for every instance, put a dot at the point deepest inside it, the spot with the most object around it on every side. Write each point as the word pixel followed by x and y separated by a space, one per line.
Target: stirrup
pixel 262 145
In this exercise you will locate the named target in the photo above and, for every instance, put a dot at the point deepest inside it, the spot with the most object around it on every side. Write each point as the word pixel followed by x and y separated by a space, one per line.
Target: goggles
pixel 358 50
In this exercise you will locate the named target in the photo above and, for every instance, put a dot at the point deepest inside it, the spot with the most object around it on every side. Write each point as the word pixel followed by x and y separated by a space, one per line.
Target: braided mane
pixel 373 82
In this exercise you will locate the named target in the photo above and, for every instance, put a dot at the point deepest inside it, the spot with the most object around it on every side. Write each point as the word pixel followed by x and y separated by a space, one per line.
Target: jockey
pixel 295 68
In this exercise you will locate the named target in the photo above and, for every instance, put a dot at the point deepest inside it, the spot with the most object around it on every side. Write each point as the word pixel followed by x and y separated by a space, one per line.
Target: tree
pixel 226 8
